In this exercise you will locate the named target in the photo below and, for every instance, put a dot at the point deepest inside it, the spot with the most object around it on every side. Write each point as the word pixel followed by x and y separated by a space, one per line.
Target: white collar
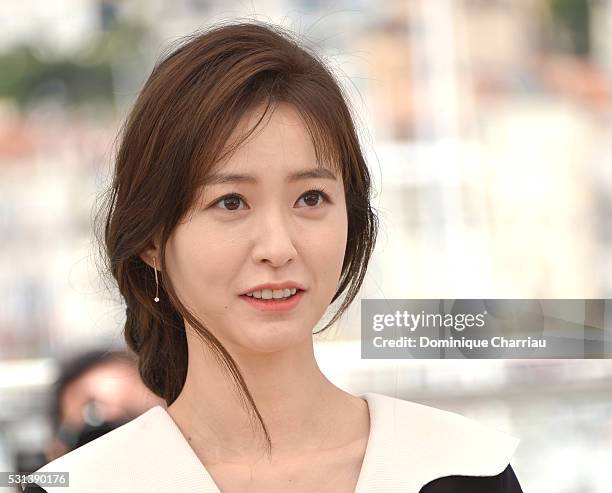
pixel 409 445
pixel 412 444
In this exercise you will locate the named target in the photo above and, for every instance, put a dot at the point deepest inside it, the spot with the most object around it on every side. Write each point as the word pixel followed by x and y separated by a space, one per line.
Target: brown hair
pixel 176 131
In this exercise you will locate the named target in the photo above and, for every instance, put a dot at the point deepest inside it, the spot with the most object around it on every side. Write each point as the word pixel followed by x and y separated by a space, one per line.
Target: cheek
pixel 335 242
pixel 338 230
pixel 338 239
pixel 327 245
pixel 199 260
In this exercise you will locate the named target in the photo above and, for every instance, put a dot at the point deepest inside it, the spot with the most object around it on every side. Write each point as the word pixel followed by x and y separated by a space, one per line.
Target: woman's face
pixel 270 229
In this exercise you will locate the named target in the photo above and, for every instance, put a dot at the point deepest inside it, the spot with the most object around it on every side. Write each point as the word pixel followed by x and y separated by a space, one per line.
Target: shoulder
pixel 444 432
pixel 149 450
pixel 431 443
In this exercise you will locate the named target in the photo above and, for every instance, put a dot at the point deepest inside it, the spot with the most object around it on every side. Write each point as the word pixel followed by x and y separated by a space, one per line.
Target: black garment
pixel 505 482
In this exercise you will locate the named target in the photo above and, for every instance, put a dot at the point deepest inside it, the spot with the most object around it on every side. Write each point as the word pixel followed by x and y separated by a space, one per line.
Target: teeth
pixel 268 294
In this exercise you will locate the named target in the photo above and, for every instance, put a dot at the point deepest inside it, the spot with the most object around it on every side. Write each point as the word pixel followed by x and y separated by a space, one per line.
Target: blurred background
pixel 487 125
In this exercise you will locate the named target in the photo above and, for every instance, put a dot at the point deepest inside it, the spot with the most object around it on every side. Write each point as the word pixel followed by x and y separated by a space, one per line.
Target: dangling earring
pixel 156 299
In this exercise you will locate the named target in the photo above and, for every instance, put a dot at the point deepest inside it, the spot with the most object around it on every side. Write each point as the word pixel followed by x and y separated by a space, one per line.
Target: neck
pixel 303 411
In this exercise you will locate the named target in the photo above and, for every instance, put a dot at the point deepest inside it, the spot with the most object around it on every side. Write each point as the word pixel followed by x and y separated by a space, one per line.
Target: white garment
pixel 409 445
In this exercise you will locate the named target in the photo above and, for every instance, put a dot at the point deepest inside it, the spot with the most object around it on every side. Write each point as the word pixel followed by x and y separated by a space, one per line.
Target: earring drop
pixel 156 299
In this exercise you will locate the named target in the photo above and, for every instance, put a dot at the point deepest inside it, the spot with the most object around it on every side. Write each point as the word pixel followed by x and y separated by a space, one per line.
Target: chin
pixel 272 337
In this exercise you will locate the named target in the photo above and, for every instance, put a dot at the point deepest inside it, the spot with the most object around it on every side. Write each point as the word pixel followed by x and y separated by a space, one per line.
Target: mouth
pixel 275 304
pixel 297 291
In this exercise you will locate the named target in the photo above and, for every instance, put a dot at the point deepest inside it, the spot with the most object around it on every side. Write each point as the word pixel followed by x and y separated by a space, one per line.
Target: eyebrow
pixel 305 174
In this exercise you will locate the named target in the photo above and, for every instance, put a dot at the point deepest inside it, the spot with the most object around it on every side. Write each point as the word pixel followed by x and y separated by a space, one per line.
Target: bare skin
pixel 319 433
pixel 331 470
pixel 267 233
pixel 334 466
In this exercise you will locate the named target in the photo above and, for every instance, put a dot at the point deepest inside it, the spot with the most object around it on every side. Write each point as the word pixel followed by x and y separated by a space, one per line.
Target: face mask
pixel 94 427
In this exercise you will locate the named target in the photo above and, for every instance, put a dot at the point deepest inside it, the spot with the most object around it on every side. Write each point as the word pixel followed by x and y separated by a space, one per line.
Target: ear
pixel 150 253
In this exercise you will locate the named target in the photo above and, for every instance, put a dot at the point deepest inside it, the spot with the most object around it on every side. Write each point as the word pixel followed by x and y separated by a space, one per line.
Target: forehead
pixel 280 144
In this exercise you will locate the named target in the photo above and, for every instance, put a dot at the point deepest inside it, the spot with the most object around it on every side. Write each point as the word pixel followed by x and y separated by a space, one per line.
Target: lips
pixel 272 306
pixel 278 285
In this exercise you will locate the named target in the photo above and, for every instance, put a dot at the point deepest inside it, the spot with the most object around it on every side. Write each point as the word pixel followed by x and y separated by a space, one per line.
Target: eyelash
pixel 320 191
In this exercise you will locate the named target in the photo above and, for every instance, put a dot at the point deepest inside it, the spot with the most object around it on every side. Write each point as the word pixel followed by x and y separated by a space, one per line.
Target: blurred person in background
pixel 95 392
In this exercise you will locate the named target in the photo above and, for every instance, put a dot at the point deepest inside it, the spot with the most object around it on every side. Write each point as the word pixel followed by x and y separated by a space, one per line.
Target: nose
pixel 274 239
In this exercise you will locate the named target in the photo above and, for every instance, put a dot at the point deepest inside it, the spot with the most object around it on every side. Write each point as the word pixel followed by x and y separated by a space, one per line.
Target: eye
pixel 231 202
pixel 314 193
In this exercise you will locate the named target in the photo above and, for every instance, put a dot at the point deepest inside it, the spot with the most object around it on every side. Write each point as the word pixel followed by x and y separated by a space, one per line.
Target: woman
pixel 239 211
